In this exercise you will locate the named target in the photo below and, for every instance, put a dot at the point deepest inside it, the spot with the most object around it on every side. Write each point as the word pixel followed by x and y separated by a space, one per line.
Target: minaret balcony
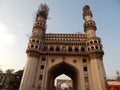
pixel 89 25
pixel 95 51
pixel 39 25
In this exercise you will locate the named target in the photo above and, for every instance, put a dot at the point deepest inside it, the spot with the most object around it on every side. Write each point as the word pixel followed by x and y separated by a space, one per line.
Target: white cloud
pixel 6 39
pixel 7 42
pixel 20 24
pixel 3 28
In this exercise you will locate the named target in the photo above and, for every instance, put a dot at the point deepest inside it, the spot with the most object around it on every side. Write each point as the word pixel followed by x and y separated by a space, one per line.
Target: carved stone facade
pixel 64 82
pixel 79 56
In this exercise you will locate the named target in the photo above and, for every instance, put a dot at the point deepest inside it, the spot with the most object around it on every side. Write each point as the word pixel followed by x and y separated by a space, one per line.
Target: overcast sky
pixel 17 18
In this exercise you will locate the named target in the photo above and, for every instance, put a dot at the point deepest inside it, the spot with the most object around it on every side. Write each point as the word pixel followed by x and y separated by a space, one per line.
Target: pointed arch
pixel 62 68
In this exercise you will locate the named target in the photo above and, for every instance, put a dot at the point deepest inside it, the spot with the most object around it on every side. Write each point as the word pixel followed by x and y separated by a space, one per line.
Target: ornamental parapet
pixel 36 52
pixel 64 54
pixel 55 35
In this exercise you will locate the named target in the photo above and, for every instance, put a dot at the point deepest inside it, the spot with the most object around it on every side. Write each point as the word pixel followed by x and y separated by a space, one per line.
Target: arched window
pixel 99 42
pixel 70 49
pixel 32 46
pixel 36 46
pixel 96 47
pixel 95 41
pixel 52 60
pixel 37 41
pixel 33 40
pixel 44 48
pixel 74 61
pixel 57 49
pixel 91 23
pixel 92 47
pixel 88 49
pixel 87 43
pixel 85 69
pixel 43 59
pixel 40 77
pixel 39 48
pixel 51 49
pixel 42 67
pixel 86 79
pixel 91 42
pixel 82 49
pixel 76 49
pixel 84 60
pixel 87 24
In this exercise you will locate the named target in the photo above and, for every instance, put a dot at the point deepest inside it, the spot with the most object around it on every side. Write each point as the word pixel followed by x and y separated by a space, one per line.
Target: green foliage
pixel 118 75
pixel 19 73
pixel 12 80
pixel 9 71
pixel 1 71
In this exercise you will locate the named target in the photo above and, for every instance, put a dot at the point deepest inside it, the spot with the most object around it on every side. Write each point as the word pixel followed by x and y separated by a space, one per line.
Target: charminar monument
pixel 79 56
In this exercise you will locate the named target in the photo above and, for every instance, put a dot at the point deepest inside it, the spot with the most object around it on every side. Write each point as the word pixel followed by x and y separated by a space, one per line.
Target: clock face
pixel 63 49
pixel 35 32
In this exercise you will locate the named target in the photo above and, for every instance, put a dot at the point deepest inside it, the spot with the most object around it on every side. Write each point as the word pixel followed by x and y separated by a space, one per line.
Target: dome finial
pixel 86 11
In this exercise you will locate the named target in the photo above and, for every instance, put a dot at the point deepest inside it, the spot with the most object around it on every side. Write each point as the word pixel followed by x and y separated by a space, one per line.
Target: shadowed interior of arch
pixel 62 68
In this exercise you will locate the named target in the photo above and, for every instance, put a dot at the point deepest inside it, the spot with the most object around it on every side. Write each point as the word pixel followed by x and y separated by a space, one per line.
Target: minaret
pixel 39 27
pixel 89 25
pixel 33 50
pixel 94 51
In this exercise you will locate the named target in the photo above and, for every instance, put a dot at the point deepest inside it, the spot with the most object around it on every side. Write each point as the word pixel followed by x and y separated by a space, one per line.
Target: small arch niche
pixel 70 49
pixel 91 42
pixel 82 49
pixel 32 46
pixel 95 41
pixel 33 40
pixel 57 49
pixel 76 49
pixel 52 49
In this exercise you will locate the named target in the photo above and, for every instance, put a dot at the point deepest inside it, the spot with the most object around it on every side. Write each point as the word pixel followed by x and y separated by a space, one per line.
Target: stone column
pixel 27 82
pixel 97 72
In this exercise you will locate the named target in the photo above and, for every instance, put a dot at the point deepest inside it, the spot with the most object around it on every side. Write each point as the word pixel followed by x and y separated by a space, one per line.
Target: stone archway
pixel 62 68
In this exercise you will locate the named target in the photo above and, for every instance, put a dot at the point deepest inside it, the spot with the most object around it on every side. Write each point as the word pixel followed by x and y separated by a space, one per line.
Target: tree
pixel 19 73
pixel 9 78
pixel 12 80
pixel 1 71
pixel 17 78
pixel 9 71
pixel 118 75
